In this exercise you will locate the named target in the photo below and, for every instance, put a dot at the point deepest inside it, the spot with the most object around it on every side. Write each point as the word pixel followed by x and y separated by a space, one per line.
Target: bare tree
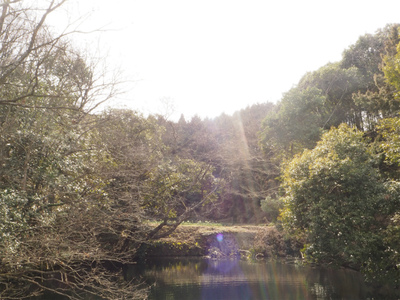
pixel 31 56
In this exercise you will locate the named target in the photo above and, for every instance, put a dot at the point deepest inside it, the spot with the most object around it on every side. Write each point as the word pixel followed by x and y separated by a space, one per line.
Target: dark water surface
pixel 195 279
pixel 192 279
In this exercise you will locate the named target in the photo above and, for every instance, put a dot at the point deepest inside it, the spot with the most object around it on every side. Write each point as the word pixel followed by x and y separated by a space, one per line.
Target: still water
pixel 192 279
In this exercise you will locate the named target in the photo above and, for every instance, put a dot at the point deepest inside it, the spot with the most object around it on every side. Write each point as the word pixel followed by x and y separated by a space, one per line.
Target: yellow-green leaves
pixel 391 68
pixel 389 130
pixel 336 195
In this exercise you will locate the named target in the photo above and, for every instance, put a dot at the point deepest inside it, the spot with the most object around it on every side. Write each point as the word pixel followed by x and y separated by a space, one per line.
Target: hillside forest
pixel 79 187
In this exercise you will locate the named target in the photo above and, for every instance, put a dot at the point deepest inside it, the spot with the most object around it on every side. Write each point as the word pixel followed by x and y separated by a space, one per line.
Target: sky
pixel 208 57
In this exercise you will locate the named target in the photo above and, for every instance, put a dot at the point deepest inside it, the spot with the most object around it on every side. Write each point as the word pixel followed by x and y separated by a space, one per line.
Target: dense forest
pixel 79 188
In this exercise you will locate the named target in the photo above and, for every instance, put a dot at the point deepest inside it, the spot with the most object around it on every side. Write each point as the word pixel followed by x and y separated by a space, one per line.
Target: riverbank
pixel 223 241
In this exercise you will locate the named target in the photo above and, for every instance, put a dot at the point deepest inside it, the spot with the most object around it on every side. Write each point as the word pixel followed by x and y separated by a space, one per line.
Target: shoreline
pixel 247 241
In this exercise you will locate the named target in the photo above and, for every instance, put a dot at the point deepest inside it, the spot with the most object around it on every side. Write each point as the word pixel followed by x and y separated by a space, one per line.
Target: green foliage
pixel 365 54
pixel 41 156
pixel 389 130
pixel 391 68
pixel 13 224
pixel 341 189
pixel 352 91
pixel 272 206
pixel 178 185
pixel 392 240
pixel 322 99
pixel 375 97
pixel 297 124
pixel 337 84
pixel 336 197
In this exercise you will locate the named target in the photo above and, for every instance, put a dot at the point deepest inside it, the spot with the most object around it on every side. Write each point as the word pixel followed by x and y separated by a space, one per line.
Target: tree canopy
pixel 340 191
pixel 337 198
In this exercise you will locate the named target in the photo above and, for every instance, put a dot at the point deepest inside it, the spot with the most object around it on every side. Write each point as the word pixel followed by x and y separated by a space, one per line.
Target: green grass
pixel 202 223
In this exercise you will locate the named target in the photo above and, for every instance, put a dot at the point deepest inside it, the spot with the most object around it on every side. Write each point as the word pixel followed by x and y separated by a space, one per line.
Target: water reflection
pixel 235 279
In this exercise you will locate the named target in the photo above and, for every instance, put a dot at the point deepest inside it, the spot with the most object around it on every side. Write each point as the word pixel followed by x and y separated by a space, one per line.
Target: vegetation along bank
pixel 220 242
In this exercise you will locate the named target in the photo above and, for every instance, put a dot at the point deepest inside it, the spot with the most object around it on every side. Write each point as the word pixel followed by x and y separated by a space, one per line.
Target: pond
pixel 207 279
pixel 192 279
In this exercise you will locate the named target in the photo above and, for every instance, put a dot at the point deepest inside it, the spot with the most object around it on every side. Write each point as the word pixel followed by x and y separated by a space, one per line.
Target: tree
pixel 337 199
pixel 193 139
pixel 373 56
pixel 176 190
pixel 391 65
pixel 352 91
pixel 55 213
pixel 39 69
pixel 249 174
pixel 297 124
pixel 147 176
pixel 366 54
pixel 389 142
pixel 337 85
pixel 134 144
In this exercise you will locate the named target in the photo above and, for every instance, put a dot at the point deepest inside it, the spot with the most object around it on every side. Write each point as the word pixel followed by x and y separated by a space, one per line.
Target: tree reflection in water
pixel 193 279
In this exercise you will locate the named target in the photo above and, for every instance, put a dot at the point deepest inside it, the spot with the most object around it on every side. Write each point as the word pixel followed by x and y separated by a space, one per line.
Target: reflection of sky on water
pixel 236 279
pixel 232 279
pixel 237 287
pixel 226 268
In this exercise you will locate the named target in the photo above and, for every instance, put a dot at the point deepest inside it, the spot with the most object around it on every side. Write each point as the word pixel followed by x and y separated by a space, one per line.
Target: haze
pixel 211 57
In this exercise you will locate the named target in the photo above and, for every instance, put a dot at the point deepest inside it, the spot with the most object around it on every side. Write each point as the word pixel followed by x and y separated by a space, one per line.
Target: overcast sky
pixel 213 56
